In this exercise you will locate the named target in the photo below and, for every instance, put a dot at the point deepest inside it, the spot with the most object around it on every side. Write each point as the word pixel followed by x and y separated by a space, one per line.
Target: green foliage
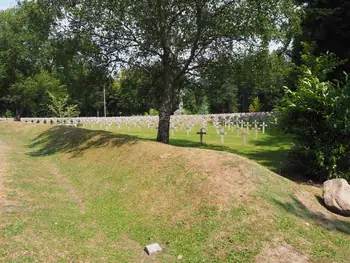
pixel 256 105
pixel 321 66
pixel 326 24
pixel 204 108
pixel 231 82
pixel 153 112
pixel 43 43
pixel 8 114
pixel 60 108
pixel 35 54
pixel 318 116
pixel 136 90
pixel 176 36
pixel 31 92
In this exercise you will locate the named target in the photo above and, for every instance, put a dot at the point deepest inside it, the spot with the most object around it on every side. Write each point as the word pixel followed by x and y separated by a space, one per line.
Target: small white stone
pixel 179 257
pixel 153 249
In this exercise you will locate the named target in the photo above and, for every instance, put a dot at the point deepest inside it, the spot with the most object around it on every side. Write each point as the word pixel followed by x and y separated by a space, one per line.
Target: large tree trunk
pixel 164 120
pixel 166 106
pixel 19 113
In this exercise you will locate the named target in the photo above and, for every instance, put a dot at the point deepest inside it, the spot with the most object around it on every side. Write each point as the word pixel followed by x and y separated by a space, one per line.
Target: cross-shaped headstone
pixel 172 128
pixel 263 125
pixel 248 125
pixel 238 129
pixel 244 138
pixel 201 133
pixel 222 134
pixel 256 132
pixel 188 129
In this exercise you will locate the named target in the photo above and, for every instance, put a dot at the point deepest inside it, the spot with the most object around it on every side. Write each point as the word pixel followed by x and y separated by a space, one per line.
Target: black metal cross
pixel 201 133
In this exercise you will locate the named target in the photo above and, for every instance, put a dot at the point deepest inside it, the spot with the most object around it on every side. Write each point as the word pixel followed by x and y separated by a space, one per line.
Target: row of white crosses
pixel 185 122
pixel 241 127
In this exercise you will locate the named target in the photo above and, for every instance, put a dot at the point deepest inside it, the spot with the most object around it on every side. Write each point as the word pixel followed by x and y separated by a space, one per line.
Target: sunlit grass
pixel 75 195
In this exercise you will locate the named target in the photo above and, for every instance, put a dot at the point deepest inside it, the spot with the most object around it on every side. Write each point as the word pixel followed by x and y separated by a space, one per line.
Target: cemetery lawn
pixel 269 149
pixel 76 195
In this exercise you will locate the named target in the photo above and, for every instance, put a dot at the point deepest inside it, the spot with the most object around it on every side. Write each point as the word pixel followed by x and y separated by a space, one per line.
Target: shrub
pixel 153 112
pixel 256 105
pixel 8 114
pixel 318 115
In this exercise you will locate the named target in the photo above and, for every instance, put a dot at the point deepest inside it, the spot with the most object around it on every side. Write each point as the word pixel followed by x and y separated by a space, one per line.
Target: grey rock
pixel 153 249
pixel 336 196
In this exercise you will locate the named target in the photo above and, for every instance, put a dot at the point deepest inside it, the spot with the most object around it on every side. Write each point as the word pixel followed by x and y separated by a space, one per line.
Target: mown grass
pixel 269 149
pixel 75 195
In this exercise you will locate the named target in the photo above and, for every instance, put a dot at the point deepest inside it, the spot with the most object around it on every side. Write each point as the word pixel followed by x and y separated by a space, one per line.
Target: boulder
pixel 336 196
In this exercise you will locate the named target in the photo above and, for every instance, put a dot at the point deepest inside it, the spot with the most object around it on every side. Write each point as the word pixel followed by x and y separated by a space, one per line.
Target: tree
pixel 256 105
pixel 30 44
pixel 317 115
pixel 31 92
pixel 176 33
pixel 59 106
pixel 220 84
pixel 137 89
pixel 326 23
pixel 23 34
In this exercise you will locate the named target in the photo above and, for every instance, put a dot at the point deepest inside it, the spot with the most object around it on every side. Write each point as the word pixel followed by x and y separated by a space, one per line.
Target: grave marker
pixel 188 129
pixel 201 133
pixel 238 129
pixel 248 125
pixel 263 125
pixel 256 132
pixel 244 138
pixel 222 134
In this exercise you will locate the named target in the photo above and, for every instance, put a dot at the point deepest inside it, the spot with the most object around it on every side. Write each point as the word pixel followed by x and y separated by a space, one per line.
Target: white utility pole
pixel 104 102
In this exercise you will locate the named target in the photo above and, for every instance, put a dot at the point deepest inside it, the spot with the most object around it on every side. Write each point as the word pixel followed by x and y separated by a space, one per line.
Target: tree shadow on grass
pixel 272 159
pixel 297 208
pixel 269 158
pixel 76 141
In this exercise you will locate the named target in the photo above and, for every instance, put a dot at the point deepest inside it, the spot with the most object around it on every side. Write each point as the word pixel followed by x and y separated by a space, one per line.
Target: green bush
pixel 318 115
pixel 8 114
pixel 256 105
pixel 152 112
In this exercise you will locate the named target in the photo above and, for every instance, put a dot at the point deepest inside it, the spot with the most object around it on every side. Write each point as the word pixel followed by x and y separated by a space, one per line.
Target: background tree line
pixel 147 55
pixel 38 56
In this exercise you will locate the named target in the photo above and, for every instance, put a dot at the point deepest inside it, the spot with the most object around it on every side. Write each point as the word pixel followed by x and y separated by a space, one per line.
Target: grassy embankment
pixel 269 149
pixel 75 195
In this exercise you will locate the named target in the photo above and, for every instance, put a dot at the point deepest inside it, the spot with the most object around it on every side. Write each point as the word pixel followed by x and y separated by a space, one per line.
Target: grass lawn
pixel 77 195
pixel 269 149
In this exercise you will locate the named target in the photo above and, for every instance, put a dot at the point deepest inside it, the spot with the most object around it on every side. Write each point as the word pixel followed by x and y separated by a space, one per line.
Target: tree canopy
pixel 326 25
pixel 178 35
pixel 213 55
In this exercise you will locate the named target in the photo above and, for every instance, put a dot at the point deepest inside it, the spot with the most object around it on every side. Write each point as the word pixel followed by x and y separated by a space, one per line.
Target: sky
pixel 4 4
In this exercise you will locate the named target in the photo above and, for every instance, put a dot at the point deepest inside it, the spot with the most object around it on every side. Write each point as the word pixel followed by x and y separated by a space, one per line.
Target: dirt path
pixel 64 181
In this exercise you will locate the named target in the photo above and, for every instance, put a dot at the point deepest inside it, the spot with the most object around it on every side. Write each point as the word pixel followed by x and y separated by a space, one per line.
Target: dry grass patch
pixel 278 251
